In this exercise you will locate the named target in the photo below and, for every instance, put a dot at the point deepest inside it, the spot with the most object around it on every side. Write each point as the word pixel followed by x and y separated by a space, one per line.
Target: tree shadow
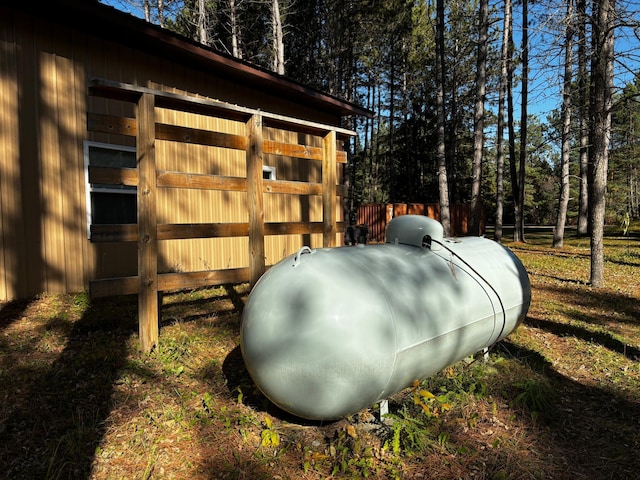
pixel 203 308
pixel 56 415
pixel 11 312
pixel 626 307
pixel 239 381
pixel 601 338
pixel 599 427
pixel 559 279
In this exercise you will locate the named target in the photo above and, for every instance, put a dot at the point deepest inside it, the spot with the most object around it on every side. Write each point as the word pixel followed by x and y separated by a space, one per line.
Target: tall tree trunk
pixel 583 98
pixel 235 29
pixel 146 10
pixel 392 113
pixel 278 40
pixel 378 157
pixel 563 202
pixel 603 12
pixel 161 13
pixel 500 133
pixel 452 125
pixel 478 121
pixel 518 230
pixel 513 172
pixel 203 24
pixel 443 187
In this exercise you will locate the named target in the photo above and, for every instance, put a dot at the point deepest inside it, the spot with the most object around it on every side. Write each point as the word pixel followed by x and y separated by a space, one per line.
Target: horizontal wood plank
pixel 198 136
pixel 130 93
pixel 291 150
pixel 113 176
pixel 292 188
pixel 129 176
pixel 113 287
pixel 111 124
pixel 201 181
pixel 109 287
pixel 168 231
pixel 186 280
pixel 292 228
pixel 127 126
pixel 183 231
pixel 114 233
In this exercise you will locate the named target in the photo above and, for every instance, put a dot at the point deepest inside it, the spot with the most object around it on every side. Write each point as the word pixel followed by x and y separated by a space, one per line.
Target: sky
pixel 545 76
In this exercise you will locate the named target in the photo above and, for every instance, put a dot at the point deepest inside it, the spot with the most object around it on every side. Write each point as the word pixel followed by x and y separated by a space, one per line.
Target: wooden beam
pixel 255 200
pixel 329 177
pixel 113 176
pixel 292 150
pixel 178 231
pixel 127 126
pixel 198 136
pixel 293 228
pixel 113 287
pixel 110 124
pixel 110 287
pixel 147 224
pixel 128 92
pixel 201 181
pixel 114 233
pixel 292 188
pixel 202 230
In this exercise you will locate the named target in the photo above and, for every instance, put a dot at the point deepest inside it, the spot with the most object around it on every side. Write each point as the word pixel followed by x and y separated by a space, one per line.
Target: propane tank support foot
pixel 384 409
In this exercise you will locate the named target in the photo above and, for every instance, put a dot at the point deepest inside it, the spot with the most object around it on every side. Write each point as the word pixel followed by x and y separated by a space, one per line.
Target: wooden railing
pixel 148 232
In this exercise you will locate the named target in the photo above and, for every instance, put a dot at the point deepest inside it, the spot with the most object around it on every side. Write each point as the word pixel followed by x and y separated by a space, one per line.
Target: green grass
pixel 558 399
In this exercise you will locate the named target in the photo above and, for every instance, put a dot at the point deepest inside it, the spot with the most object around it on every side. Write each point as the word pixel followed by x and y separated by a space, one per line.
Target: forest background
pixel 520 107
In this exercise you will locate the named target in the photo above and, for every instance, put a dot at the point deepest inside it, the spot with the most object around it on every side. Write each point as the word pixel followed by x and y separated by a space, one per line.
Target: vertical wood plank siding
pixel 12 268
pixel 44 74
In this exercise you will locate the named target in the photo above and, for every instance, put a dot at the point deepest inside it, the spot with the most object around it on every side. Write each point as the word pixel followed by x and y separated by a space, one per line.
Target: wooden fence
pixel 376 216
pixel 148 232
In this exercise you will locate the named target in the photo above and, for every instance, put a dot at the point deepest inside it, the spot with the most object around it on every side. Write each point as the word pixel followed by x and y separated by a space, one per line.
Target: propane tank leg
pixel 384 409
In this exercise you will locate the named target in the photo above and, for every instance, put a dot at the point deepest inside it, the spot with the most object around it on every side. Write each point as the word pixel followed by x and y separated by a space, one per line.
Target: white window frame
pixel 91 188
pixel 270 171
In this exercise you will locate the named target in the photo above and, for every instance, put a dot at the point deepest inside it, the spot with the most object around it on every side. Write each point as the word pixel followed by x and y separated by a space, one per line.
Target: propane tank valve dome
pixel 417 231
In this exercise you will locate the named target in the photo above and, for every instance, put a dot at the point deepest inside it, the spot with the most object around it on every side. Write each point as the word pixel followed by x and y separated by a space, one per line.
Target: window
pixel 109 204
pixel 268 173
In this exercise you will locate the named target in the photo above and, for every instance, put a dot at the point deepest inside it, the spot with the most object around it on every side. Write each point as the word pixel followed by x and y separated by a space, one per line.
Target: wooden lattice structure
pixel 148 179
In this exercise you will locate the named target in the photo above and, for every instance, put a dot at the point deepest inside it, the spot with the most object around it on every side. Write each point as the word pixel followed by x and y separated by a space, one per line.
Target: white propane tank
pixel 328 332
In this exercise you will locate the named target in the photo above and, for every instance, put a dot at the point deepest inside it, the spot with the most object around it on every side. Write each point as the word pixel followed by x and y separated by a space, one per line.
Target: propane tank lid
pixel 416 230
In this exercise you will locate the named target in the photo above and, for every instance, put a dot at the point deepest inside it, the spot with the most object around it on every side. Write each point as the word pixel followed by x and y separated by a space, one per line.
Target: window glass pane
pixel 108 157
pixel 113 208
pixel 111 204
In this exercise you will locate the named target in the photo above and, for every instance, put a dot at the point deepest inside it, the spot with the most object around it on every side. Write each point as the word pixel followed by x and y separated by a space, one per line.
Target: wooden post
pixel 329 179
pixel 255 202
pixel 147 223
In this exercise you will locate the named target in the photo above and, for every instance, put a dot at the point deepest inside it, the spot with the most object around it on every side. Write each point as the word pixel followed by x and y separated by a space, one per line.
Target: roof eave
pixel 104 20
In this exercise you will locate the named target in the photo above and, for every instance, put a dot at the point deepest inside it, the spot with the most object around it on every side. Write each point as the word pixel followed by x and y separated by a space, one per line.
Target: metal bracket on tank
pixel 298 256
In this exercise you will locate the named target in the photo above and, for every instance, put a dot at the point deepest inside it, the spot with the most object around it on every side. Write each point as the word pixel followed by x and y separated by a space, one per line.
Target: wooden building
pixel 130 155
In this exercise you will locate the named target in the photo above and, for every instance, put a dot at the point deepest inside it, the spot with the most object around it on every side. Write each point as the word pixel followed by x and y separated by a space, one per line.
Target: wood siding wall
pixel 45 71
